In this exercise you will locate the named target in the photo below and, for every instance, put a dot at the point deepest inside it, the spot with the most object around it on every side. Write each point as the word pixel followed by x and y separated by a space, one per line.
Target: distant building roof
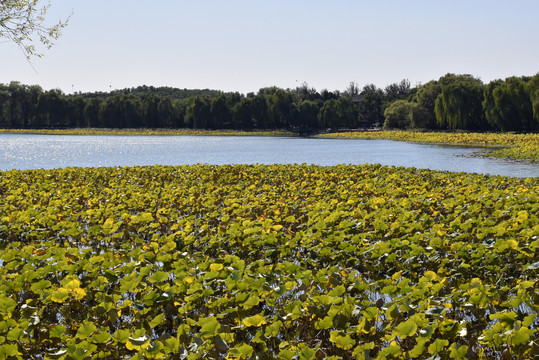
pixel 357 98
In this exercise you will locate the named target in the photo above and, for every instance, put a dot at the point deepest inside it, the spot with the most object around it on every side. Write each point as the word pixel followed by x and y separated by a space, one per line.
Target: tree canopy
pixel 23 21
pixel 453 102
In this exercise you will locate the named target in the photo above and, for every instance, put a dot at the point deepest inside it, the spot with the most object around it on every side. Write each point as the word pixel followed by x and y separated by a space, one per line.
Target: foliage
pixel 453 102
pixel 279 261
pixel 398 115
pixel 398 91
pixel 459 106
pixel 509 105
pixel 371 106
pixel 338 113
pixel 423 116
pixel 513 146
pixel 160 91
pixel 22 21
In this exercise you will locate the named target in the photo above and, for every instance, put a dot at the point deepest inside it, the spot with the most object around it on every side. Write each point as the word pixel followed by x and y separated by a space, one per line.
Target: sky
pixel 245 45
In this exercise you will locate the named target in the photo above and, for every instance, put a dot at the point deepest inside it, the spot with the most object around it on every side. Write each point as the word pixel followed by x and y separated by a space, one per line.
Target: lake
pixel 26 151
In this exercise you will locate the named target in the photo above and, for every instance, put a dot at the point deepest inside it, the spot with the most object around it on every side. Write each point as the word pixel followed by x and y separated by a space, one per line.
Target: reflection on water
pixel 22 151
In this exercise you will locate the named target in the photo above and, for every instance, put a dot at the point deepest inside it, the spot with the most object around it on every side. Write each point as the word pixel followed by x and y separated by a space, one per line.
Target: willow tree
pixel 533 87
pixel 459 105
pixel 509 104
pixel 23 22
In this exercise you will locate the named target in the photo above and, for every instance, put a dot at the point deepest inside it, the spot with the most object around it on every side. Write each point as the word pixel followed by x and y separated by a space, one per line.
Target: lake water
pixel 24 151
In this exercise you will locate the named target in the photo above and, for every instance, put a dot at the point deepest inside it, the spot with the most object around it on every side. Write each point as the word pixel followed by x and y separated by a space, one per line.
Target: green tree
pixel 111 113
pixel 533 86
pixel 91 112
pixel 259 112
pixel 304 92
pixel 5 120
pixel 398 114
pixel 508 105
pixel 23 21
pixel 422 116
pixel 346 113
pixel 490 110
pixel 149 103
pixel 459 105
pixel 53 108
pixel 397 91
pixel 165 113
pixel 279 108
pixel 197 112
pixel 242 114
pixel 133 111
pixel 328 117
pixel 307 114
pixel 76 105
pixel 220 115
pixel 370 106
pixel 15 110
pixel 352 89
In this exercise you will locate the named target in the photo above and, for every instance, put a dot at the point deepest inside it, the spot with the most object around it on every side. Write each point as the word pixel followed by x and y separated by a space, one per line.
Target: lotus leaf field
pixel 264 262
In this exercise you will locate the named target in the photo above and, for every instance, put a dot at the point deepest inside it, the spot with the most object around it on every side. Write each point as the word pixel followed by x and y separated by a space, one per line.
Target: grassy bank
pixel 149 132
pixel 279 261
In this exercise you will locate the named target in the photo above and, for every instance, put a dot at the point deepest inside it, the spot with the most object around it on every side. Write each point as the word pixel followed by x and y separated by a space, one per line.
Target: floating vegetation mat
pixel 502 145
pixel 265 262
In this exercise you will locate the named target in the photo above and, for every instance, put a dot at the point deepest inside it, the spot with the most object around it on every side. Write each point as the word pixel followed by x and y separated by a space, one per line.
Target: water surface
pixel 31 151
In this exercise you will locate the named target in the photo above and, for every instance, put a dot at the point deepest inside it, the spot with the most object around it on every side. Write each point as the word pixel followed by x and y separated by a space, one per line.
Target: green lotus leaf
pixel 158 276
pixel 522 335
pixel 86 330
pixel 344 342
pixel 405 329
pixel 159 319
pixel 419 348
pixel 307 354
pixel 101 337
pixel 242 351
pixel 252 301
pixel 209 326
pixel 39 286
pixel 286 354
pixel 254 321
pixel 155 350
pixel 57 331
pixel 325 323
pixel 78 353
pixel 172 345
pixel 437 346
pixel 60 295
pixel 458 351
pixel 122 335
pixel 14 334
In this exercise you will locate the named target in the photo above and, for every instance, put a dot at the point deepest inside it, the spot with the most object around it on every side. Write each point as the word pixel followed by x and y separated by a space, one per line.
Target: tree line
pixel 453 102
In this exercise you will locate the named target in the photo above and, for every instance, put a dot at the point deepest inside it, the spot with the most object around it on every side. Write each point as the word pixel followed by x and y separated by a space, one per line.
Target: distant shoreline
pixel 120 132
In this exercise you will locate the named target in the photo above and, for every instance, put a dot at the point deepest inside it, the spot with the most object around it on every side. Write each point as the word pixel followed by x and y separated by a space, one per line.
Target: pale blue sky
pixel 244 45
